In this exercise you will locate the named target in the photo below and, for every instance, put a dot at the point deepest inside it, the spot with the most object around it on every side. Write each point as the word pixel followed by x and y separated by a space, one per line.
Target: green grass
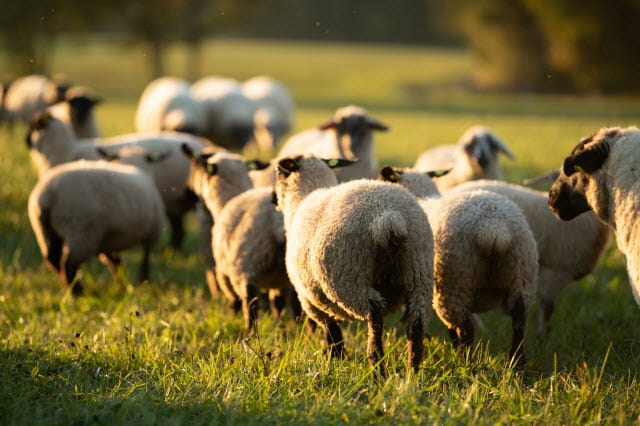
pixel 165 353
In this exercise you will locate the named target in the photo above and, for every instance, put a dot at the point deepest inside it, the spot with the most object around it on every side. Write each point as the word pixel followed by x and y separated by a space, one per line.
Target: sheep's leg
pixel 298 314
pixel 143 274
pixel 415 346
pixel 111 261
pixel 177 230
pixel 462 335
pixel 250 306
pixel 333 336
pixel 68 270
pixel 235 303
pixel 375 351
pixel 277 301
pixel 518 321
pixel 544 315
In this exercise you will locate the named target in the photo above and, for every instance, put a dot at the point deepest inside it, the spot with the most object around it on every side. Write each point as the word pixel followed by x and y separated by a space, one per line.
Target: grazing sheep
pixel 166 104
pixel 475 157
pixel 349 134
pixel 484 256
pixel 52 142
pixel 229 114
pixel 567 251
pixel 76 110
pixel 84 209
pixel 357 250
pixel 29 94
pixel 601 174
pixel 274 114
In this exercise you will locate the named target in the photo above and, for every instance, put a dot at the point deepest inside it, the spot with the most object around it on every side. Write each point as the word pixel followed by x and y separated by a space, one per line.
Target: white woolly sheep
pixel 84 209
pixel 29 94
pixel 166 104
pixel 274 114
pixel 601 174
pixel 349 135
pixel 356 251
pixel 567 251
pixel 76 110
pixel 52 142
pixel 229 114
pixel 484 256
pixel 475 157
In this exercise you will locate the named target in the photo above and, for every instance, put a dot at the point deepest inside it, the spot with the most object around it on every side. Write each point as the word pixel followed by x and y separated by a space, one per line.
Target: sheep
pixel 166 104
pixel 484 256
pixel 356 251
pixel 29 94
pixel 76 110
pixel 83 209
pixel 475 157
pixel 51 142
pixel 601 175
pixel 274 114
pixel 567 251
pixel 229 114
pixel 349 134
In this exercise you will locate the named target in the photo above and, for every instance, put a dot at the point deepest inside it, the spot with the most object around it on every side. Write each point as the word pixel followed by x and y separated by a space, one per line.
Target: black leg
pixel 143 275
pixel 250 306
pixel 415 334
pixel 518 321
pixel 375 352
pixel 277 301
pixel 177 231
pixel 68 269
pixel 335 343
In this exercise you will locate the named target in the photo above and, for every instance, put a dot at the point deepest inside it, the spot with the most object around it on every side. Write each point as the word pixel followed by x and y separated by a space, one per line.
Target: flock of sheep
pixel 322 227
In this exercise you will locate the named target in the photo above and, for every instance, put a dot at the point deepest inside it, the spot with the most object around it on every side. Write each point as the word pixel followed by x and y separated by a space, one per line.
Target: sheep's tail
pixel 389 229
pixel 494 236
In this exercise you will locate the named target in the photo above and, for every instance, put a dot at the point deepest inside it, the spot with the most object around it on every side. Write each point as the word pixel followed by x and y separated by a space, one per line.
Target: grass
pixel 165 353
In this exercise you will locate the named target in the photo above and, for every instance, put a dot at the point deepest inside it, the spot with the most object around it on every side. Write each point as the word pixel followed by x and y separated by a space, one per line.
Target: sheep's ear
pixel 338 162
pixel 188 151
pixel 256 164
pixel 274 198
pixel 545 178
pixel 499 146
pixel 330 124
pixel 156 157
pixel 390 175
pixel 587 161
pixel 286 166
pixel 376 125
pixel 437 173
pixel 109 156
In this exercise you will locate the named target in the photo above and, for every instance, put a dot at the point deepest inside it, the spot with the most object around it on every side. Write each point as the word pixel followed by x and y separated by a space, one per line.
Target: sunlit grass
pixel 165 352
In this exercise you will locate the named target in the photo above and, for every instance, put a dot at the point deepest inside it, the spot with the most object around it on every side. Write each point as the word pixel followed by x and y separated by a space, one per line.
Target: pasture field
pixel 164 352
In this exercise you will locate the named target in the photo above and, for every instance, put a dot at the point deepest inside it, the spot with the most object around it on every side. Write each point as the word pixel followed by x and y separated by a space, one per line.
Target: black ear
pixel 286 166
pixel 109 156
pixel 274 198
pixel 389 175
pixel 39 120
pixel 256 164
pixel 376 125
pixel 188 151
pixel 338 162
pixel 587 161
pixel 331 124
pixel 438 173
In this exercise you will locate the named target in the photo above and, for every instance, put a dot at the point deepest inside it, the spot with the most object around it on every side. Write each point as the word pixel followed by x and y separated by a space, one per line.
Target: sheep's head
pixel 303 174
pixel 43 125
pixel 482 147
pixel 576 188
pixel 353 127
pixel 419 184
pixel 81 101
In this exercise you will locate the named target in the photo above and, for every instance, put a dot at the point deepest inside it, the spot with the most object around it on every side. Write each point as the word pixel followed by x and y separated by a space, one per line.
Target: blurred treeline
pixel 523 45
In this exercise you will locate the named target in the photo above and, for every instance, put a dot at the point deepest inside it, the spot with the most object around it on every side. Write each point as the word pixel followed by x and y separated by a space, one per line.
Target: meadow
pixel 165 352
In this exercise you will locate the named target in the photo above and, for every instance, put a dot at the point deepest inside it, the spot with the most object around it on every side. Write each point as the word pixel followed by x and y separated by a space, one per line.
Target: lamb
pixel 356 251
pixel 29 94
pixel 51 143
pixel 484 256
pixel 274 114
pixel 567 251
pixel 229 114
pixel 76 110
pixel 166 104
pixel 475 157
pixel 83 209
pixel 349 134
pixel 601 175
